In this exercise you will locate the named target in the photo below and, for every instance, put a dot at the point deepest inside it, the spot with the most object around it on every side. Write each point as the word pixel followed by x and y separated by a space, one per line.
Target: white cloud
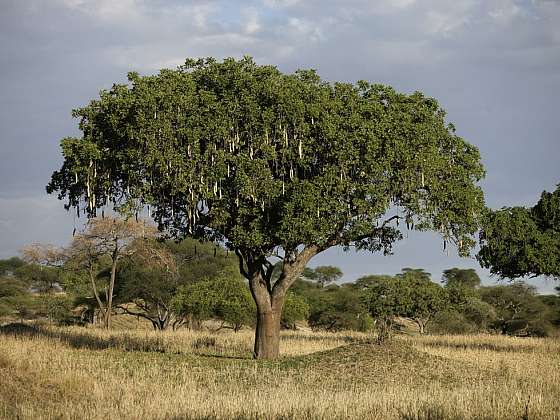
pixel 108 10
pixel 201 13
pixel 448 18
pixel 281 3
pixel 305 29
pixel 251 24
pixel 504 11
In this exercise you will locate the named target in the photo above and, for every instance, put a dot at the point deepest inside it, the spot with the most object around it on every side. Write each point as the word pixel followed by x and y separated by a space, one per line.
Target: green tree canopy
pixel 459 277
pixel 519 241
pixel 273 164
pixel 326 274
pixel 419 297
pixel 519 311
pixel 224 297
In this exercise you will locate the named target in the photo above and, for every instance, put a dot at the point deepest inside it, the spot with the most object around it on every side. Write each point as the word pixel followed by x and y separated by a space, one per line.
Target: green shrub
pixel 452 322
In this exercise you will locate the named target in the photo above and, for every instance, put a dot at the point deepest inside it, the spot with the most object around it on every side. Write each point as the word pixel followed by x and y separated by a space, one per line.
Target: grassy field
pixel 79 373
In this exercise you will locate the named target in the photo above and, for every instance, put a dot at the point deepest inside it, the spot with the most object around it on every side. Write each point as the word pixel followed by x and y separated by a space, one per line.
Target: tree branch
pixel 241 263
pixel 141 315
pixel 292 269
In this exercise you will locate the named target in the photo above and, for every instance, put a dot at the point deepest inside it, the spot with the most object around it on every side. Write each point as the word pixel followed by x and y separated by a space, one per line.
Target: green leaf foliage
pixel 295 309
pixel 410 294
pixel 519 241
pixel 519 311
pixel 224 297
pixel 244 154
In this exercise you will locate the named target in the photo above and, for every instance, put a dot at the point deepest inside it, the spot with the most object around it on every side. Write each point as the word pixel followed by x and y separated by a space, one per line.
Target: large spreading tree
pixel 273 165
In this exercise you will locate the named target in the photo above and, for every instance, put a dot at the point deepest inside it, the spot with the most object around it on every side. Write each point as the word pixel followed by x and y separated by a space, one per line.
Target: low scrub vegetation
pixel 200 282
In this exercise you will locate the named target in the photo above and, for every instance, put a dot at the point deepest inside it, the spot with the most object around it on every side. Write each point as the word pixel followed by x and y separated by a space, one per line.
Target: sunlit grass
pixel 142 374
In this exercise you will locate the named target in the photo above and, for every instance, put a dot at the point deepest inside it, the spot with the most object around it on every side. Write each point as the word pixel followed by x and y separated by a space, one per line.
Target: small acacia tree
pixel 295 309
pixel 273 164
pixel 44 263
pixel 382 297
pixel 461 278
pixel 225 297
pixel 420 299
pixel 149 279
pixel 326 274
pixel 110 238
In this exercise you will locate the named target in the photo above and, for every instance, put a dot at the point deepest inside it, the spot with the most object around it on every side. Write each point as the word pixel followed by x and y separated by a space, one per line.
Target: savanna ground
pixel 79 373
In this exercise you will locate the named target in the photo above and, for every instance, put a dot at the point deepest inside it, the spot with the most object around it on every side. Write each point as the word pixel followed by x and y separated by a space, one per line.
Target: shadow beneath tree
pixel 84 340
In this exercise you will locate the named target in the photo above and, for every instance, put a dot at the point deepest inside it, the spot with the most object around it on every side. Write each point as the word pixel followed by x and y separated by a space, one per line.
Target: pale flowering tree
pixel 113 239
pixel 48 259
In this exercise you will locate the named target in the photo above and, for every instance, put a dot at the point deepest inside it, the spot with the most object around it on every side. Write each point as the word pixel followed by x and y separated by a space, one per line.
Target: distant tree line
pixel 116 268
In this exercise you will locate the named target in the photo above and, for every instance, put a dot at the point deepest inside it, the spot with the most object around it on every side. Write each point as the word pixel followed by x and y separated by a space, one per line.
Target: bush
pixel 224 297
pixel 452 322
pixel 479 313
pixel 58 308
pixel 295 309
pixel 365 322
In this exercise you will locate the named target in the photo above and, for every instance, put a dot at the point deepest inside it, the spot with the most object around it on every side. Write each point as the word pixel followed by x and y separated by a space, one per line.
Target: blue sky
pixel 494 65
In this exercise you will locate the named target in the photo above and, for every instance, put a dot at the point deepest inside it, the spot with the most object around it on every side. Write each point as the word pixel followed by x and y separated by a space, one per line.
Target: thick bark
pixel 267 333
pixel 269 298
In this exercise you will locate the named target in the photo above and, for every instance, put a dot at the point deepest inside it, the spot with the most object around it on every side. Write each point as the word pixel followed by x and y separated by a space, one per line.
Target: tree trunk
pixel 96 294
pixel 267 334
pixel 421 325
pixel 269 298
pixel 109 308
pixel 269 313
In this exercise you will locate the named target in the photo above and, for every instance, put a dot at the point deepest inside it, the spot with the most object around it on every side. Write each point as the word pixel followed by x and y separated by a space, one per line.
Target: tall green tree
pixel 326 274
pixel 420 299
pixel 273 164
pixel 519 241
pixel 461 277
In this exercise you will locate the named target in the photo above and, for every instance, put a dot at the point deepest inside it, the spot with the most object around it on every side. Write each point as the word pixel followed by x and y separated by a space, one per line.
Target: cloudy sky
pixel 494 65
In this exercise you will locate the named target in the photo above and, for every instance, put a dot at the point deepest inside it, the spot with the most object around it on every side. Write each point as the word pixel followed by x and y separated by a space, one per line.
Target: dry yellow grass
pixel 82 373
